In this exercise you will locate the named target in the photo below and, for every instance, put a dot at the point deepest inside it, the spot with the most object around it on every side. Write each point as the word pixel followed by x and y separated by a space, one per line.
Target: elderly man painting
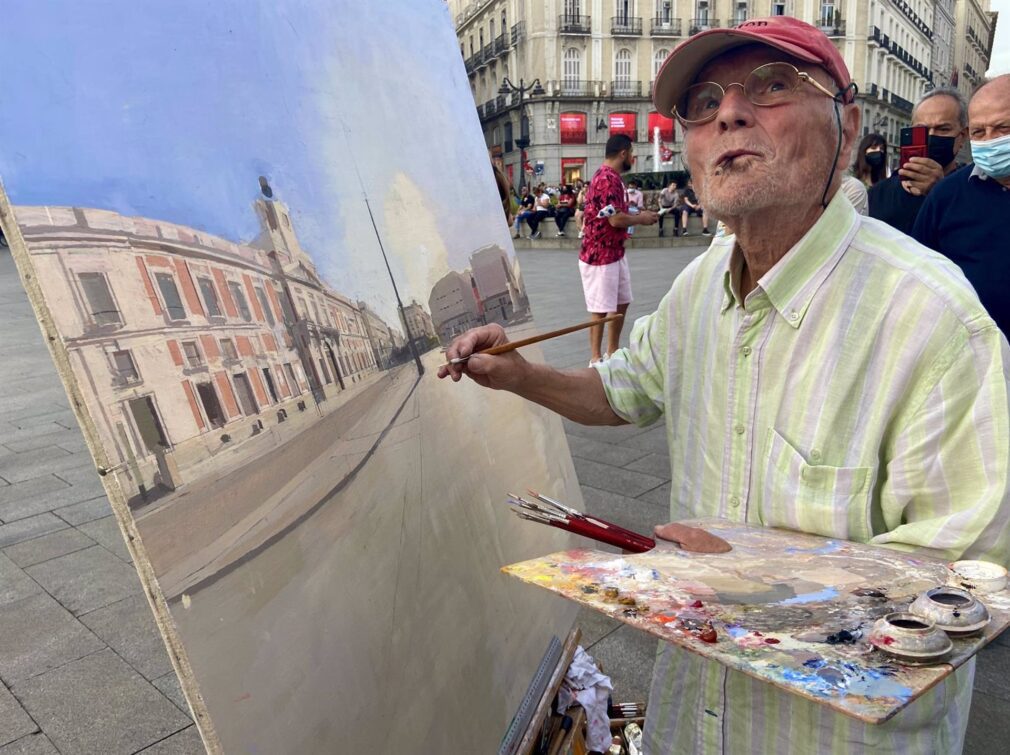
pixel 816 370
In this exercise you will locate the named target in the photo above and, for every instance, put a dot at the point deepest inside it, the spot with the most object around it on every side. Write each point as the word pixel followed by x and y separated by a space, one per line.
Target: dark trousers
pixel 533 220
pixel 671 215
pixel 561 216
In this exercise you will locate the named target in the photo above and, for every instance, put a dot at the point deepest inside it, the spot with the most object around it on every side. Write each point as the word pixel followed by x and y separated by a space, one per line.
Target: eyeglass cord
pixel 838 99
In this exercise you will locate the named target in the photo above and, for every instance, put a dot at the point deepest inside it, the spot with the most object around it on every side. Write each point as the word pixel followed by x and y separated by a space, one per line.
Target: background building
pixel 454 306
pixel 597 61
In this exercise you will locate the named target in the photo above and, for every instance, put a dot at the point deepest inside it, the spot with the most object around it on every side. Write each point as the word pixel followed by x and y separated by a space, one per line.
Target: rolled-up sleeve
pixel 634 377
pixel 946 490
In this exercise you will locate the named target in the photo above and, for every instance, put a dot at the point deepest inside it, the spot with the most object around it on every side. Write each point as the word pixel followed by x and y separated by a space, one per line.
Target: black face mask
pixel 874 159
pixel 940 149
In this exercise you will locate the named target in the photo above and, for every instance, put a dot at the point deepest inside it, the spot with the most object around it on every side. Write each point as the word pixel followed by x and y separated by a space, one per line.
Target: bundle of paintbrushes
pixel 548 511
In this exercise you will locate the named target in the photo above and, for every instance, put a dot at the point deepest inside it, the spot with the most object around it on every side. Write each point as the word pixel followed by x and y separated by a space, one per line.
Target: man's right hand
pixel 500 372
pixel 647 217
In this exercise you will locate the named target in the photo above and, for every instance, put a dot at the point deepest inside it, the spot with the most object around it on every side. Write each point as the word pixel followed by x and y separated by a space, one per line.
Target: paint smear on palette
pixel 787 608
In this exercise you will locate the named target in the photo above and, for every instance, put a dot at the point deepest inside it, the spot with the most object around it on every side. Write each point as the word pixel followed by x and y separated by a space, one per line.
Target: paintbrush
pixel 512 346
pixel 556 514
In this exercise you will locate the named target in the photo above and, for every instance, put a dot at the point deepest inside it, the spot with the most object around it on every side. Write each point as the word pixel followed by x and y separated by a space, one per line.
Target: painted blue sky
pixel 172 111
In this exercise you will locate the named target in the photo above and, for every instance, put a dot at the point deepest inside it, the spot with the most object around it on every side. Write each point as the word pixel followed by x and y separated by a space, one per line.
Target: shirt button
pixel 794 316
pixel 745 351
pixel 734 501
pixel 738 428
pixel 815 454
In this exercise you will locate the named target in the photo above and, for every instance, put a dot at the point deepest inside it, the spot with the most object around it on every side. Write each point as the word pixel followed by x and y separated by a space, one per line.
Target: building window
pixel 211 406
pixel 210 299
pixel 193 356
pixel 625 10
pixel 170 296
pixel 289 371
pixel 622 68
pixel 657 61
pixel 490 28
pixel 739 13
pixel 827 14
pixel 702 17
pixel 624 123
pixel 126 368
pixel 102 307
pixel 504 25
pixel 240 300
pixel 573 128
pixel 261 295
pixel 778 9
pixel 573 8
pixel 665 11
pixel 572 68
pixel 508 145
pixel 228 349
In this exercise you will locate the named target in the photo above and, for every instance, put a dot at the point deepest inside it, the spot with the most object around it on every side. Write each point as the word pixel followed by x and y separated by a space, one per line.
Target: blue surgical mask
pixel 992 157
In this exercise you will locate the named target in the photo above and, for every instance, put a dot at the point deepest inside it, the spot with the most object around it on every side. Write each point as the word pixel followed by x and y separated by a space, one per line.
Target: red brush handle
pixel 629 541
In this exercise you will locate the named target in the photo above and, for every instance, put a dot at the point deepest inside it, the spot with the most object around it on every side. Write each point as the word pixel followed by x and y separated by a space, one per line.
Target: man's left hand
pixel 919 175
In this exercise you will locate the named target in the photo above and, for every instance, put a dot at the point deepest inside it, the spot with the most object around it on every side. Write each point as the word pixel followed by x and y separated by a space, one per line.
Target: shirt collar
pixel 791 284
pixel 977 172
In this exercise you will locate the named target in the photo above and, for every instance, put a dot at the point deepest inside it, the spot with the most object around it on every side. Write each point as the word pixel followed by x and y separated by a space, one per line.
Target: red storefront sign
pixel 572 169
pixel 573 128
pixel 666 133
pixel 624 123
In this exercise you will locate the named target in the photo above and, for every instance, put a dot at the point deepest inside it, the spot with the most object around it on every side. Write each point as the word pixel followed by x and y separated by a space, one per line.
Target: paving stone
pixel 29 488
pixel 85 511
pixel 615 479
pixel 992 671
pixel 37 634
pixel 98 704
pixel 31 527
pixel 653 440
pixel 15 467
pixel 86 580
pixel 9 431
pixel 186 742
pixel 42 502
pixel 988 725
pixel 170 688
pixel 14 583
pixel 595 626
pixel 53 545
pixel 14 721
pixel 657 465
pixel 34 442
pixel 33 744
pixel 106 532
pixel 127 626
pixel 83 476
pixel 627 657
pixel 658 496
pixel 605 453
pixel 74 444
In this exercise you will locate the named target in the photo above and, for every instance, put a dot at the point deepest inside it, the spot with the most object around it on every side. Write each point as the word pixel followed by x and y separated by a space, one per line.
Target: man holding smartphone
pixel 896 200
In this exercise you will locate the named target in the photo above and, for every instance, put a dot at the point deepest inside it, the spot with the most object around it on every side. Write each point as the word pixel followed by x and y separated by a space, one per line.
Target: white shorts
pixel 606 286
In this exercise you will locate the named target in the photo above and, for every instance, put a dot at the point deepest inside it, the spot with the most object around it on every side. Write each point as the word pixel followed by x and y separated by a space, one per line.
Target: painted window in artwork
pixel 193 356
pixel 125 367
pixel 228 349
pixel 102 307
pixel 211 406
pixel 170 296
pixel 240 300
pixel 209 293
pixel 261 295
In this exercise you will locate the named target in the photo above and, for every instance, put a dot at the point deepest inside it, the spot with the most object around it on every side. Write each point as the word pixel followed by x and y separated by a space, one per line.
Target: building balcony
pixel 501 45
pixel 874 36
pixel 488 54
pixel 518 33
pixel 490 108
pixel 666 27
pixel 573 88
pixel 902 104
pixel 479 60
pixel 626 26
pixel 625 88
pixel 501 102
pixel 480 112
pixel 570 24
pixel 471 64
pixel 836 29
pixel 703 24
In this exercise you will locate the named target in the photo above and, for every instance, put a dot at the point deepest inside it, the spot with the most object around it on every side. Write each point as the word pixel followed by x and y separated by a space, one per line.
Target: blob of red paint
pixel 888 640
pixel 771 641
pixel 758 634
pixel 708 635
pixel 697 604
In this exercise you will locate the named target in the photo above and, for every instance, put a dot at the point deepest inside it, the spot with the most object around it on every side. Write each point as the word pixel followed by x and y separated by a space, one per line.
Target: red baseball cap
pixel 790 35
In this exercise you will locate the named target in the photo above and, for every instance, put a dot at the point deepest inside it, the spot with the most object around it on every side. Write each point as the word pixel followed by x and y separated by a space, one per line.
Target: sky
pixel 173 110
pixel 1000 62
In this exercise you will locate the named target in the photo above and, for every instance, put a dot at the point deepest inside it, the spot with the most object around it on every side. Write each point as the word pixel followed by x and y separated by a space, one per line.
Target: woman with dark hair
pixel 871 160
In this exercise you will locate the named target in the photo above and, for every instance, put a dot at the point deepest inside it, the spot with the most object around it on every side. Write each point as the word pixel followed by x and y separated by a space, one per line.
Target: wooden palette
pixel 774 602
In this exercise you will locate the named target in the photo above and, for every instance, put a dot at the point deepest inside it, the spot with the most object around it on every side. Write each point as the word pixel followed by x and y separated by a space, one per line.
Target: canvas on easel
pixel 248 229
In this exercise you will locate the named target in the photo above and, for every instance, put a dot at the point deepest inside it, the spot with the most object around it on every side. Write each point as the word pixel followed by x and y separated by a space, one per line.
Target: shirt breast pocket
pixel 815 498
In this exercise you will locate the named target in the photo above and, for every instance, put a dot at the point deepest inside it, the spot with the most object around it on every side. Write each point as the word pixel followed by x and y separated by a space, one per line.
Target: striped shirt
pixel 859 392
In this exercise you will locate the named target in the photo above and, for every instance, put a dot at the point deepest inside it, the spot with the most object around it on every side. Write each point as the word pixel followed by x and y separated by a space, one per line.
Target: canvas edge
pixel 117 499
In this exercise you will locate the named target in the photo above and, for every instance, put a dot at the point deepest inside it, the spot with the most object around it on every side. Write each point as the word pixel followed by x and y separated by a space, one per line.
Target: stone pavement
pixel 625 476
pixel 82 666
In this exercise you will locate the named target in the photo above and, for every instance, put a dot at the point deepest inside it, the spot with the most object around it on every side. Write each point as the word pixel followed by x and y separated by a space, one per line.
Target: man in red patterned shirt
pixel 606 281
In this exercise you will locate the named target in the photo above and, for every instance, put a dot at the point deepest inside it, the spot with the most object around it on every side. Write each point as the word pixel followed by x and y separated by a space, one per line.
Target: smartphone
pixel 913 143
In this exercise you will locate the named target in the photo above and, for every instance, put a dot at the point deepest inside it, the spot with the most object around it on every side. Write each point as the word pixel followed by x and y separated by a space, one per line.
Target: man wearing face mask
pixel 897 199
pixel 964 217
